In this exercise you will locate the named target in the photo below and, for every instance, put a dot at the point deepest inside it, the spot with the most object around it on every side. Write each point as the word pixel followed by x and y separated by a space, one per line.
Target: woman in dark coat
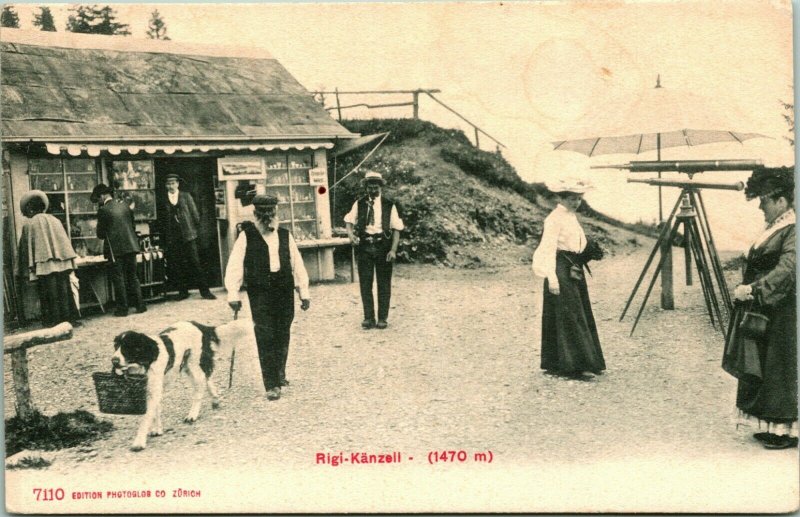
pixel 46 257
pixel 767 390
pixel 570 344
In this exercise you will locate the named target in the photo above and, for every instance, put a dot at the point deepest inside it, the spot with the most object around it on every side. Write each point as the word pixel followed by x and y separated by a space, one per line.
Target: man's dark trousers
pixel 126 282
pixel 273 313
pixel 372 263
pixel 183 259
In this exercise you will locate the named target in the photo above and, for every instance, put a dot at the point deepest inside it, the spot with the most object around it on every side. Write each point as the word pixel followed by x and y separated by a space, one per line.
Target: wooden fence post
pixel 338 105
pixel 416 104
pixel 17 346
pixel 22 390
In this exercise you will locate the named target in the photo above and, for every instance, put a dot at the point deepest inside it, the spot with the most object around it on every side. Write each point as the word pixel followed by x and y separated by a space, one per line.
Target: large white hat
pixel 574 185
pixel 33 194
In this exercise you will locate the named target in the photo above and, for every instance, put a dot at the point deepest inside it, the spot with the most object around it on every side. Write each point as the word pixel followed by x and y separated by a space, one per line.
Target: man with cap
pixel 116 228
pixel 267 258
pixel 183 254
pixel 374 226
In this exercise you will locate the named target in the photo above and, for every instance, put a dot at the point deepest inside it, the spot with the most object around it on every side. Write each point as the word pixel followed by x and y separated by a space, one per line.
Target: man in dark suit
pixel 121 247
pixel 183 254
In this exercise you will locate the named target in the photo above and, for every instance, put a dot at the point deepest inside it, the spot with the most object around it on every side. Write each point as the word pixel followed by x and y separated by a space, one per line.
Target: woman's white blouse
pixel 562 231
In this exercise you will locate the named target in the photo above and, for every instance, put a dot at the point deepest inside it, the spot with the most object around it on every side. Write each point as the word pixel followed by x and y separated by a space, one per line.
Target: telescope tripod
pixel 698 243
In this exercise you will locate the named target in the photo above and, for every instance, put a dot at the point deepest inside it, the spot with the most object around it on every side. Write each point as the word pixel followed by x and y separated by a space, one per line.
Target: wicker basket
pixel 121 394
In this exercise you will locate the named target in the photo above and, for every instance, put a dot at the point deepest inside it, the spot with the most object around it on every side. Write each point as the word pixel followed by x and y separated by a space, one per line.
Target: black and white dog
pixel 186 346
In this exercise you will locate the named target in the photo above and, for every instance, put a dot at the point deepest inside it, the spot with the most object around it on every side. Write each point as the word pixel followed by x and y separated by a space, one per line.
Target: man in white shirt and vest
pixel 374 226
pixel 267 258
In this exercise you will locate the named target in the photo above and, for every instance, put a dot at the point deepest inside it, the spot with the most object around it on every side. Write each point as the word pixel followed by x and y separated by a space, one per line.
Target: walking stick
pixel 233 355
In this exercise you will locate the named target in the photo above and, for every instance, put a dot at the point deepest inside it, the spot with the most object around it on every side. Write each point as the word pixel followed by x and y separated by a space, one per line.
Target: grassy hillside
pixel 461 206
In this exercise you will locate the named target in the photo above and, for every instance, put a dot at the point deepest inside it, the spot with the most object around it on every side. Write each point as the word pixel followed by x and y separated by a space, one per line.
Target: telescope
pixel 738 185
pixel 685 166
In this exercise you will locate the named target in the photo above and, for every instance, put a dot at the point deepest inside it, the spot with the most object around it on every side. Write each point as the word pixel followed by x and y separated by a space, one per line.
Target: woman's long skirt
pixel 570 343
pixel 55 299
pixel 773 397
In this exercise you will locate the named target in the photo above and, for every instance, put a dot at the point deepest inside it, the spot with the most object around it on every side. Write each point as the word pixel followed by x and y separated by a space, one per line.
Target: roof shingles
pixel 51 93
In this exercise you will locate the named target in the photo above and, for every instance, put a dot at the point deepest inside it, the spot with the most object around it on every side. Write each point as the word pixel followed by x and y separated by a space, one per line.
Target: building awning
pixel 168 148
pixel 345 146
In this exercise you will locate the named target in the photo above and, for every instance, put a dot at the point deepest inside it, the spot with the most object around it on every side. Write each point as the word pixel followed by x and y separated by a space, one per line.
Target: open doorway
pixel 198 180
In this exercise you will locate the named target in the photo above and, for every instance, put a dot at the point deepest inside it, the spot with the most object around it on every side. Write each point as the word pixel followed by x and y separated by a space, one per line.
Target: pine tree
pixel 91 20
pixel 44 19
pixel 108 25
pixel 81 20
pixel 9 18
pixel 157 29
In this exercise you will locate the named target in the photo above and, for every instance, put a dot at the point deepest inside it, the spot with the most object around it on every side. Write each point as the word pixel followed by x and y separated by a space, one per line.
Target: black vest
pixel 257 273
pixel 386 216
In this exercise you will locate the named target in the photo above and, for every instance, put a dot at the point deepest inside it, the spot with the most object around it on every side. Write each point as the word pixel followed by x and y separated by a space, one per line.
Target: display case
pixel 68 183
pixel 288 180
pixel 134 183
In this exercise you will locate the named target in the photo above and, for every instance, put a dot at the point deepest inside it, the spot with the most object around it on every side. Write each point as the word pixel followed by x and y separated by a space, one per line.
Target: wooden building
pixel 78 110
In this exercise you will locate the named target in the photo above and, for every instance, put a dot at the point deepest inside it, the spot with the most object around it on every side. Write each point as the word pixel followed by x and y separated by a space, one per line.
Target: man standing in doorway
pixel 116 228
pixel 181 240
pixel 374 226
pixel 267 258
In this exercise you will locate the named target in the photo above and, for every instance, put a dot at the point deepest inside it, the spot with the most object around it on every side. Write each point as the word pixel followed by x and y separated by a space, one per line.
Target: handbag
pixel 576 272
pixel 753 324
pixel 742 358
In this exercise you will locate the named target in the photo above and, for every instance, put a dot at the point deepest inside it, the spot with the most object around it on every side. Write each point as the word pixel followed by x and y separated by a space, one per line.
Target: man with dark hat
pixel 266 257
pixel 183 254
pixel 374 225
pixel 116 228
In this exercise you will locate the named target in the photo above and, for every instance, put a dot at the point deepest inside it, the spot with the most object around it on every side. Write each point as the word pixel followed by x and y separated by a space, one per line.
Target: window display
pixel 134 182
pixel 288 180
pixel 68 183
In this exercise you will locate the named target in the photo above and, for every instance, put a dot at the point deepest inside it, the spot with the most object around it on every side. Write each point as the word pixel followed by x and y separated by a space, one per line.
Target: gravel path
pixel 457 369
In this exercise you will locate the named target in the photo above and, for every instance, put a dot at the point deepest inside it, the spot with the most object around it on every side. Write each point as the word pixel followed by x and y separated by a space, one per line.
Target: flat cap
pixel 264 201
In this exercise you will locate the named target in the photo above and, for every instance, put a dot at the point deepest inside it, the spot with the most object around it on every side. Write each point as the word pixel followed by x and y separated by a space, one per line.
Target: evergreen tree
pixel 81 19
pixel 109 25
pixel 93 20
pixel 44 19
pixel 9 17
pixel 157 29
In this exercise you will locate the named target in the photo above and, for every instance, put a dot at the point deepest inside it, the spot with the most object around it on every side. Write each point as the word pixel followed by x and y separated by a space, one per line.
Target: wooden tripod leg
pixel 655 275
pixel 712 252
pixel 702 269
pixel 687 255
pixel 712 291
pixel 657 246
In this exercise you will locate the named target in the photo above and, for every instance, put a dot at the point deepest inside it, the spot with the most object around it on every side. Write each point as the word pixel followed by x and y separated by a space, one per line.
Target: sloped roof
pixel 82 88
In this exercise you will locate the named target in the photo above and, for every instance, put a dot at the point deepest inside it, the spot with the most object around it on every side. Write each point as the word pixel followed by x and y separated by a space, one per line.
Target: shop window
pixel 288 180
pixel 134 183
pixel 68 183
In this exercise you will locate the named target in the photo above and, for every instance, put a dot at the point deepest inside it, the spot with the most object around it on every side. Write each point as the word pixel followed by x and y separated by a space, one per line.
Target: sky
pixel 532 73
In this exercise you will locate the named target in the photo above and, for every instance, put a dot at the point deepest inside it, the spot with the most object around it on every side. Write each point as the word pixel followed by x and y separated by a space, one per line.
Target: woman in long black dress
pixel 47 258
pixel 766 364
pixel 570 344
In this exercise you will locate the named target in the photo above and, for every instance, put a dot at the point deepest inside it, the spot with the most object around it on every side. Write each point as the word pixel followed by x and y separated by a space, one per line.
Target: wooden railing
pixel 414 103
